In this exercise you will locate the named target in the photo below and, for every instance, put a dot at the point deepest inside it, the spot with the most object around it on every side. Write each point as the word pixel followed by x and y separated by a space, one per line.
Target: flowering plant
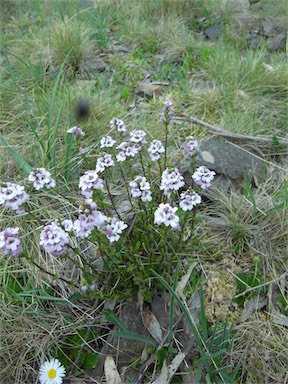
pixel 150 235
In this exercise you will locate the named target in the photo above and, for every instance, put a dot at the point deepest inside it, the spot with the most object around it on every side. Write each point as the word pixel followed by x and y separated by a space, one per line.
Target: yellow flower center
pixel 52 373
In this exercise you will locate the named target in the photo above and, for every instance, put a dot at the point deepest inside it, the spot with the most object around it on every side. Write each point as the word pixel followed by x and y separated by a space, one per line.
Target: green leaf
pixel 133 336
pixel 90 360
pixel 16 156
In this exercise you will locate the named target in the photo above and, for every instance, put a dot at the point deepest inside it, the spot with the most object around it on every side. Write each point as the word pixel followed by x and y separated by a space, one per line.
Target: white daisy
pixel 51 372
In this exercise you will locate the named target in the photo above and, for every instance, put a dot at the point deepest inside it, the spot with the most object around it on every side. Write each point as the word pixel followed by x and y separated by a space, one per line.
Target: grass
pixel 44 48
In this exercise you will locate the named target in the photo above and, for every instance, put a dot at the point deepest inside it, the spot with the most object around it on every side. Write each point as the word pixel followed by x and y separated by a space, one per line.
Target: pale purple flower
pixel 171 181
pixel 67 225
pixel 12 196
pixel 93 287
pixel 155 148
pixel 41 178
pixel 89 181
pixel 203 177
pixel 114 229
pixel 90 217
pixel 107 142
pixel 188 200
pixel 140 187
pixel 165 214
pixel 138 136
pixel 82 151
pixel 118 124
pixel 10 242
pixel 104 162
pixel 191 147
pixel 76 132
pixel 125 151
pixel 84 288
pixel 54 239
pixel 167 112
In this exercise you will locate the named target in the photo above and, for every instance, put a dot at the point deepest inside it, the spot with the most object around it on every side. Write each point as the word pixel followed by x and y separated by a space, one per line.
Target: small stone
pixel 253 40
pixel 267 27
pixel 253 1
pixel 277 43
pixel 148 89
pixel 214 32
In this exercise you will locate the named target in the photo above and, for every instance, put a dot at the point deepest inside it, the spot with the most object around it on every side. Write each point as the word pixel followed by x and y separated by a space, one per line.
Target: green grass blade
pixel 203 317
pixel 133 336
pixel 51 110
pixel 110 316
pixel 54 137
pixel 69 141
pixel 16 156
pixel 184 310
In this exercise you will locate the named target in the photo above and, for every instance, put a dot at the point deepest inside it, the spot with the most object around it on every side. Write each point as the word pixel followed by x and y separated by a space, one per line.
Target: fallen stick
pixel 230 135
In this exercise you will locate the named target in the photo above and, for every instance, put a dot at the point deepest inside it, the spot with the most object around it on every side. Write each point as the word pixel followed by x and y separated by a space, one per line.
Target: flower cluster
pixel 138 136
pixel 107 142
pixel 171 181
pixel 10 242
pixel 167 112
pixel 114 228
pixel 89 181
pixel 13 196
pixel 90 217
pixel 203 177
pixel 165 214
pixel 41 178
pixel 191 147
pixel 141 188
pixel 104 162
pixel 188 200
pixel 127 150
pixel 54 239
pixel 76 132
pixel 118 124
pixel 154 150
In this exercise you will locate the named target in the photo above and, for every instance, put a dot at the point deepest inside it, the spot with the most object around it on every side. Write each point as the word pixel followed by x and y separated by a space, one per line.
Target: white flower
pixel 119 124
pixel 107 142
pixel 189 200
pixel 203 177
pixel 51 372
pixel 140 187
pixel 76 132
pixel 114 228
pixel 12 196
pixel 137 136
pixel 89 181
pixel 165 214
pixel 155 148
pixel 171 181
pixel 104 162
pixel 41 178
pixel 126 151
pixel 191 147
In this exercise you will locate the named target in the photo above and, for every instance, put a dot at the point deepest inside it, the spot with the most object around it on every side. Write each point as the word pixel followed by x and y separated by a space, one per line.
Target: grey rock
pixel 93 63
pixel 253 1
pixel 225 158
pixel 267 27
pixel 230 161
pixel 214 32
pixel 253 40
pixel 277 43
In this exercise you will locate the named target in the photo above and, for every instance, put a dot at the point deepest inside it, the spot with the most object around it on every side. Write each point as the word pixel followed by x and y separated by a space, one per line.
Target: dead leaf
pixel 150 320
pixel 253 305
pixel 111 373
pixel 279 318
pixel 163 377
pixel 184 280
